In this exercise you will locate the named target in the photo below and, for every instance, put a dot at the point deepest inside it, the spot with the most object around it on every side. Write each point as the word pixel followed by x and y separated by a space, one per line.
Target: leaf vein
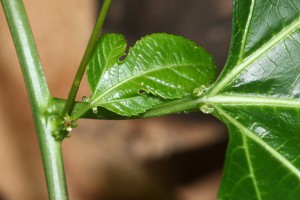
pixel 245 34
pixel 285 162
pixel 120 82
pixel 255 55
pixel 252 101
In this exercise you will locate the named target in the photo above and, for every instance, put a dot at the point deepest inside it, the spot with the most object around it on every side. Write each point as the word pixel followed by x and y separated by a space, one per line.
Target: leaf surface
pixel 109 49
pixel 258 97
pixel 158 67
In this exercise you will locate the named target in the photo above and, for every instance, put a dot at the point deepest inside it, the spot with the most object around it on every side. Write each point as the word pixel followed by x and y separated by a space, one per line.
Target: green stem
pixel 85 59
pixel 187 104
pixel 26 49
pixel 39 96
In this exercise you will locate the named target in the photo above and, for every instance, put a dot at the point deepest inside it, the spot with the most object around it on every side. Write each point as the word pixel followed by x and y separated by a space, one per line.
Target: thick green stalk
pixel 40 97
pixel 85 59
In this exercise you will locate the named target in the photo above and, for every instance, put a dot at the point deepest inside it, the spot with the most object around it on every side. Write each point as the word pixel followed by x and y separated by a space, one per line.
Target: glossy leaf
pixel 258 97
pixel 159 66
pixel 109 49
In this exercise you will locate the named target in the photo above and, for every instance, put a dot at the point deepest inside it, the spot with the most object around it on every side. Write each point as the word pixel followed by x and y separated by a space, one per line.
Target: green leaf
pixel 158 67
pixel 258 97
pixel 109 49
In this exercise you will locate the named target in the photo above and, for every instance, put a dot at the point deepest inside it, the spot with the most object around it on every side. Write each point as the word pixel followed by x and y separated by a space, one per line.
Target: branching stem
pixel 40 98
pixel 85 59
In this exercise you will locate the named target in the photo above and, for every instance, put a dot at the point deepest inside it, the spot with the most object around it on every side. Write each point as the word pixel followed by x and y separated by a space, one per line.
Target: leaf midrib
pixel 252 100
pixel 260 142
pixel 94 101
pixel 254 56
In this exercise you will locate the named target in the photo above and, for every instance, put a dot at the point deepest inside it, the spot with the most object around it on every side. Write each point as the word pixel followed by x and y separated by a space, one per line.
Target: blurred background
pixel 177 157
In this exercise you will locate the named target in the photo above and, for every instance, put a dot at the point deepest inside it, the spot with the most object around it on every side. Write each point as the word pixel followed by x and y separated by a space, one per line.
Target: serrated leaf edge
pixel 119 38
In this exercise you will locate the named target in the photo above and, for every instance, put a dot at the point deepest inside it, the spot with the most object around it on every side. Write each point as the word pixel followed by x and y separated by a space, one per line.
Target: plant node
pixel 200 91
pixel 206 108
